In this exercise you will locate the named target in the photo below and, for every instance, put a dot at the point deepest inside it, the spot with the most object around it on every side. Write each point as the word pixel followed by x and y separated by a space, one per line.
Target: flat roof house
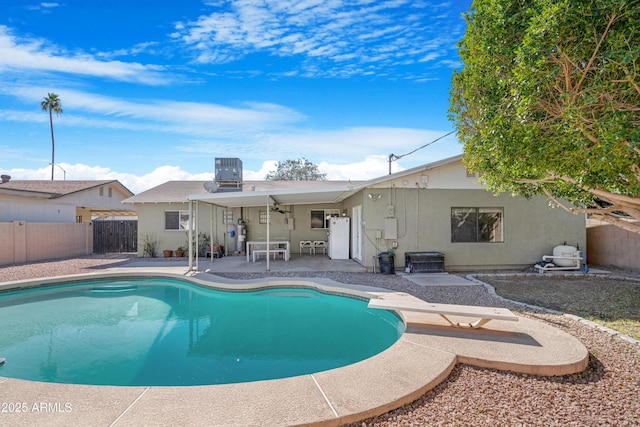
pixel 437 207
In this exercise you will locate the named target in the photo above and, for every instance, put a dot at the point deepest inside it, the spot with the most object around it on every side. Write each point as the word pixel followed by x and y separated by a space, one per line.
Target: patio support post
pixel 268 229
pixel 194 214
pixel 211 208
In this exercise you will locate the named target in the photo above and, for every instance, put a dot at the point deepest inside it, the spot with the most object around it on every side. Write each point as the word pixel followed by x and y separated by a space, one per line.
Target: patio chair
pixel 307 244
pixel 320 244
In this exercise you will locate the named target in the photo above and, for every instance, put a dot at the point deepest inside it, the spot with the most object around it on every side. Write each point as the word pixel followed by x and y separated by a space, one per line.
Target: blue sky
pixel 155 91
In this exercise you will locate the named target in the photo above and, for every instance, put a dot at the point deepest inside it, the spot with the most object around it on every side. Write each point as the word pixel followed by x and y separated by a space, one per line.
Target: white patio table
pixel 279 243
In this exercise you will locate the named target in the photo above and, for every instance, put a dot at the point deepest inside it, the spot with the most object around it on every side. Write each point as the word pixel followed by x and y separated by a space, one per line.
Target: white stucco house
pixel 62 201
pixel 42 220
pixel 437 207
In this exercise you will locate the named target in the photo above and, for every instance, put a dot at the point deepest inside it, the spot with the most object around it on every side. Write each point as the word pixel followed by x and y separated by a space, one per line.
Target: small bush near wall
pixel 149 245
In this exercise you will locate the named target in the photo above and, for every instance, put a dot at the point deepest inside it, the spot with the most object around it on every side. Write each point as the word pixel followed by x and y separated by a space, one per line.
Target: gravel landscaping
pixel 606 394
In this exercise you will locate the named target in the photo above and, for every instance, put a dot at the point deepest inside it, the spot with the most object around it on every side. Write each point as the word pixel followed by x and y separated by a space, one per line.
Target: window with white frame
pixel 227 216
pixel 176 220
pixel 320 217
pixel 262 219
pixel 477 225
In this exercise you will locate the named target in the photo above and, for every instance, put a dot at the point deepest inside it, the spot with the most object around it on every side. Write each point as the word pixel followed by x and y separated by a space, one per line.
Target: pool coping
pixel 422 358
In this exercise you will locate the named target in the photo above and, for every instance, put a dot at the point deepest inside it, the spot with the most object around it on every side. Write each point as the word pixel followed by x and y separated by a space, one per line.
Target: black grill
pixel 424 262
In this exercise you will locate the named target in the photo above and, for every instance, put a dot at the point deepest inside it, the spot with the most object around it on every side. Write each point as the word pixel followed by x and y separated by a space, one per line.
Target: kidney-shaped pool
pixel 166 332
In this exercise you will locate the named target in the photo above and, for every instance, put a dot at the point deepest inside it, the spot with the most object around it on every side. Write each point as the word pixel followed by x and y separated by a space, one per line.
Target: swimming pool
pixel 167 332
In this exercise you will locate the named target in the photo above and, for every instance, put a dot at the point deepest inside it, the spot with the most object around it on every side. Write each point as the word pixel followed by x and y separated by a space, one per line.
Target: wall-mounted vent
pixel 228 174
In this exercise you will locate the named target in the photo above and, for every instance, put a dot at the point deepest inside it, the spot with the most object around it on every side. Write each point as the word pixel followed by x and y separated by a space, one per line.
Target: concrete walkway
pixel 437 279
pixel 239 264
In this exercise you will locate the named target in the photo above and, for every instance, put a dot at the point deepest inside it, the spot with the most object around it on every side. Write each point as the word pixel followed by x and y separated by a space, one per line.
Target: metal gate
pixel 115 236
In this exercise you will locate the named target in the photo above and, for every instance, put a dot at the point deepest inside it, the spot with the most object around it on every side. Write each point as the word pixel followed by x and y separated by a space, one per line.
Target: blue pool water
pixel 145 332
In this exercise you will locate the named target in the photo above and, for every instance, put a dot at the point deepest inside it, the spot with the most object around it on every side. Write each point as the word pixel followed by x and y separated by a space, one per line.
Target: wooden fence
pixel 115 236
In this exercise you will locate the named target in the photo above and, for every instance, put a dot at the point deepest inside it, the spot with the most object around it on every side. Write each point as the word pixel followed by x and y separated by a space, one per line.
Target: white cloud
pixel 352 142
pixel 135 183
pixel 247 131
pixel 365 33
pixel 189 118
pixel 22 55
pixel 369 168
pixel 137 49
pixel 267 166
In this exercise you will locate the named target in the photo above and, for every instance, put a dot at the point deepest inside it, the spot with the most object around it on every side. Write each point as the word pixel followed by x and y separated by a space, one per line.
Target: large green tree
pixel 296 170
pixel 548 102
pixel 52 104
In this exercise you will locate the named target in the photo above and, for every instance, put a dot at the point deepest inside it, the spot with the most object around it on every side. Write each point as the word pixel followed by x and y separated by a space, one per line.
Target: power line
pixel 393 157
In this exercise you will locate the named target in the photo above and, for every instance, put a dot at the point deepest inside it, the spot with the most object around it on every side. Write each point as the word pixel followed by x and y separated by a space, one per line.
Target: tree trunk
pixel 53 146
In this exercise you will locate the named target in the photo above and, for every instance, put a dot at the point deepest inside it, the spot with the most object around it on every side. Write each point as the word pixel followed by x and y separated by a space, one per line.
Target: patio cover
pixel 291 196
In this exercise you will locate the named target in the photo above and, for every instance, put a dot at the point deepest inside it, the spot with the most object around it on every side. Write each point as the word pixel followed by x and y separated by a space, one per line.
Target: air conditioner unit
pixel 228 174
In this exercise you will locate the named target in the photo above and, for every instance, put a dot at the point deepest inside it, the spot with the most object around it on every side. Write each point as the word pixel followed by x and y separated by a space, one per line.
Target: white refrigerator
pixel 339 230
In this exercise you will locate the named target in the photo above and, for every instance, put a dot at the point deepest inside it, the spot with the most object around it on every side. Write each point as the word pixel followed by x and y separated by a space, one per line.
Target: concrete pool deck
pixel 422 358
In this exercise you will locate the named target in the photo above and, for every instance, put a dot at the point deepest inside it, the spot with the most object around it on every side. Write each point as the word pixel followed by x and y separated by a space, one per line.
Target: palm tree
pixel 52 103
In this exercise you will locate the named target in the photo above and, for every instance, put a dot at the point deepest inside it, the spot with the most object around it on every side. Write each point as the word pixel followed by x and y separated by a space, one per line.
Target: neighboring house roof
pixel 73 192
pixel 53 189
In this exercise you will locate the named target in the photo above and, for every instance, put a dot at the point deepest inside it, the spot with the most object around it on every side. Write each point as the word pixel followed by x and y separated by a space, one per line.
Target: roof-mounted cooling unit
pixel 228 174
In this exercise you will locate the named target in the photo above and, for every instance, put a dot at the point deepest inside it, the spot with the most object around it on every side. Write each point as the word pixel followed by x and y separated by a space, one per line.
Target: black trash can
pixel 385 259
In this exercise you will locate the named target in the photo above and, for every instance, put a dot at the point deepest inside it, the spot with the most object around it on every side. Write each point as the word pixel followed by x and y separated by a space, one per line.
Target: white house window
pixel 101 191
pixel 320 217
pixel 227 216
pixel 477 225
pixel 176 220
pixel 262 219
pixel 110 192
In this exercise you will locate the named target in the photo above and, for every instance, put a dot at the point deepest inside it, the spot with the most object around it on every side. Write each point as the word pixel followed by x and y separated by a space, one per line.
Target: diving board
pixel 484 314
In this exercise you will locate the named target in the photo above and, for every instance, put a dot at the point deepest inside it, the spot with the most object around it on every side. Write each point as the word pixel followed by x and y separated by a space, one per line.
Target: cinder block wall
pixel 35 241
pixel 612 246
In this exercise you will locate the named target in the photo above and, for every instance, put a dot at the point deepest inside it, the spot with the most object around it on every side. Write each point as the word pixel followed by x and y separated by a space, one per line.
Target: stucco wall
pixel 211 220
pixel 61 209
pixel 531 228
pixel 421 205
pixel 29 241
pixel 92 198
pixel 151 224
pixel 34 210
pixel 280 227
pixel 608 245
